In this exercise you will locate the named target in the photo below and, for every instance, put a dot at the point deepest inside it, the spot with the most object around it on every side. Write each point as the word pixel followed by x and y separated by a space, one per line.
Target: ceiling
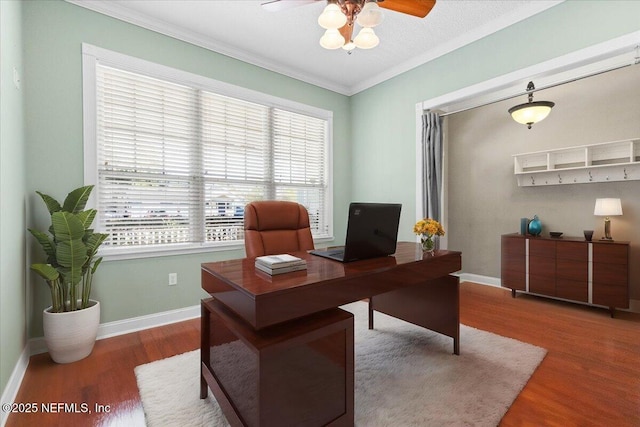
pixel 287 41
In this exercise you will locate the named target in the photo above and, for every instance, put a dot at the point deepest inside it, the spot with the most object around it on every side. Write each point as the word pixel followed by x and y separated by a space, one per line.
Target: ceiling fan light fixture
pixel 531 112
pixel 332 39
pixel 366 39
pixel 370 15
pixel 332 17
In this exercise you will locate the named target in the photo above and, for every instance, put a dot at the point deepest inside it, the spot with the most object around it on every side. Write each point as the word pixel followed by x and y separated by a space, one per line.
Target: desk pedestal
pixel 296 373
pixel 433 305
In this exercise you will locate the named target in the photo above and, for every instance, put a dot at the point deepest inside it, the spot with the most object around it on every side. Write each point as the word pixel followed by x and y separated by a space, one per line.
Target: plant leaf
pixel 87 217
pixel 67 226
pixel 71 252
pixel 51 203
pixel 77 199
pixel 46 271
pixel 95 265
pixel 94 242
pixel 46 242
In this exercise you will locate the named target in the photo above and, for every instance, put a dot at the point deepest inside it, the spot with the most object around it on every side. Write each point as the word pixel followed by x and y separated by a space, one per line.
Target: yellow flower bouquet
pixel 426 229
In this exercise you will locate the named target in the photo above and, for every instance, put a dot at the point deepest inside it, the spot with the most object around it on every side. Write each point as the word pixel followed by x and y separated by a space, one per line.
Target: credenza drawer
pixel 611 295
pixel 577 251
pixel 572 289
pixel 515 262
pixel 542 266
pixel 612 274
pixel 514 279
pixel 611 253
pixel 573 270
pixel 542 285
pixel 542 248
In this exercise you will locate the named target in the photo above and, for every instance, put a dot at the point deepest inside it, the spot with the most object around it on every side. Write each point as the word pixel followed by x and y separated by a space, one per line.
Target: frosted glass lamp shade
pixel 332 17
pixel 531 112
pixel 370 15
pixel 332 39
pixel 366 39
pixel 608 207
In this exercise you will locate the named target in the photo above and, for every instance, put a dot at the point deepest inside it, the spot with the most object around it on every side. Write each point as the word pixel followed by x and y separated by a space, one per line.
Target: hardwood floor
pixel 590 376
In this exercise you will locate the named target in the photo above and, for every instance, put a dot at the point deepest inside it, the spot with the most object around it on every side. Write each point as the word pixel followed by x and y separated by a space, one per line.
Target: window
pixel 176 157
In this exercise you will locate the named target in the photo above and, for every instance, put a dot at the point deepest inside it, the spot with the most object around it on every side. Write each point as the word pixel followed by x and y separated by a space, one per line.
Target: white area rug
pixel 405 376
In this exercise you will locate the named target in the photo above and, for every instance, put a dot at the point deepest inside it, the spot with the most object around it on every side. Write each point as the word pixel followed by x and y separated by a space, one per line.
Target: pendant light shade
pixel 332 17
pixel 332 39
pixel 531 112
pixel 370 15
pixel 366 39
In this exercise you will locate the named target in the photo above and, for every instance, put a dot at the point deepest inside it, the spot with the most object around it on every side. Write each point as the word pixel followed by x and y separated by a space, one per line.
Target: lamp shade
pixel 366 39
pixel 531 112
pixel 332 17
pixel 370 15
pixel 332 39
pixel 608 207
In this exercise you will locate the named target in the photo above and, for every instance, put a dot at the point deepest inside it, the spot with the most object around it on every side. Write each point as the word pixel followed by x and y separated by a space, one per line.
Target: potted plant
pixel 71 323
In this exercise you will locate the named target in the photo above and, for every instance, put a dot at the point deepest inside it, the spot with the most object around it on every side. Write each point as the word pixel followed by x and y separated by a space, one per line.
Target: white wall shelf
pixel 605 162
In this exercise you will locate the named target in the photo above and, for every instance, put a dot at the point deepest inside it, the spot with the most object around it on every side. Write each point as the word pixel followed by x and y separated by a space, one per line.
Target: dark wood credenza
pixel 567 268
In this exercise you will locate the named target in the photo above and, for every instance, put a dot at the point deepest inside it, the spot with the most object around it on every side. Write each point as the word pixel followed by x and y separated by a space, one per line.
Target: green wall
pixel 384 128
pixel 54 32
pixel 13 304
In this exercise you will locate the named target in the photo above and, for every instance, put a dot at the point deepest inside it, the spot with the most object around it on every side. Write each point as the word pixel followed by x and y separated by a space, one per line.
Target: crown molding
pixel 501 23
pixel 162 27
pixel 116 11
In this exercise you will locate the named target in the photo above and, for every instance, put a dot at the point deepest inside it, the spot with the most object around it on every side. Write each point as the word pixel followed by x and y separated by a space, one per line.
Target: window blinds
pixel 177 164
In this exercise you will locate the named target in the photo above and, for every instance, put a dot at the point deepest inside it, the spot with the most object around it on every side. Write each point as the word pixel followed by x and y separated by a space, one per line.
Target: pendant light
pixel 531 112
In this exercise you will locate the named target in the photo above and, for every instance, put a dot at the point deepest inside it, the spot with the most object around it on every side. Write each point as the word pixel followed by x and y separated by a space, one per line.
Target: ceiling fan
pixel 339 17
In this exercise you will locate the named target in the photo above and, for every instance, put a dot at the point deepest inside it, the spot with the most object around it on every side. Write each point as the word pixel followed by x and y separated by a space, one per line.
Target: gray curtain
pixel 432 166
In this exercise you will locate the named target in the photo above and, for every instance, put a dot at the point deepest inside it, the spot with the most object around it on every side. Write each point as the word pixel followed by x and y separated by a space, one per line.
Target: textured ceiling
pixel 287 41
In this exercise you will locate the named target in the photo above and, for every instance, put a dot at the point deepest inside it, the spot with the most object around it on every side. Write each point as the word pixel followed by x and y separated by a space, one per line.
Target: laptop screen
pixel 372 230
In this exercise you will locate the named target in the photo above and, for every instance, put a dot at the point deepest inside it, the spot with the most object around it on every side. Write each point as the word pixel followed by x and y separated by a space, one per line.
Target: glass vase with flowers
pixel 427 228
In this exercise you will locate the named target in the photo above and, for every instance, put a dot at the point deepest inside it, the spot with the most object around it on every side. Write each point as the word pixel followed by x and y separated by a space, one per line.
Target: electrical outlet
pixel 173 279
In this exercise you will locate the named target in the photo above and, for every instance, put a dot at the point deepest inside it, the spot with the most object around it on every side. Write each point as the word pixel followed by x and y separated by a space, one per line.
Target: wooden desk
pixel 409 285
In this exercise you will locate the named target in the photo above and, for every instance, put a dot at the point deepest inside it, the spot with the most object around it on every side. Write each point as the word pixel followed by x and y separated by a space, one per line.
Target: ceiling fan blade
pixel 278 5
pixel 419 8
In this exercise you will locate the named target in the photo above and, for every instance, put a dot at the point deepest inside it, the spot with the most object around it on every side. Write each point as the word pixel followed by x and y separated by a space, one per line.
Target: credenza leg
pixel 612 310
pixel 513 293
pixel 371 313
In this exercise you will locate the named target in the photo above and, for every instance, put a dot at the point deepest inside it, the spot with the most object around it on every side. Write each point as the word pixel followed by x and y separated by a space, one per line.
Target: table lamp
pixel 607 208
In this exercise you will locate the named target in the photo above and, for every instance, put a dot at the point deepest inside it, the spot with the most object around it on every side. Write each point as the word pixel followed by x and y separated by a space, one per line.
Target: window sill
pixel 125 253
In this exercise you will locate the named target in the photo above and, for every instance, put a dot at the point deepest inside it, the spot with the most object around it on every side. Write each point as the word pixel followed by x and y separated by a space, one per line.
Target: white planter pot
pixel 70 336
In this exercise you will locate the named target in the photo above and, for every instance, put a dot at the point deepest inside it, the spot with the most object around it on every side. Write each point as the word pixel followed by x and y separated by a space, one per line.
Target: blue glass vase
pixel 535 227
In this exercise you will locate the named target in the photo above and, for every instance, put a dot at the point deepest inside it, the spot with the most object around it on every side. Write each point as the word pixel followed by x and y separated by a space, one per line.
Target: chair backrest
pixel 276 227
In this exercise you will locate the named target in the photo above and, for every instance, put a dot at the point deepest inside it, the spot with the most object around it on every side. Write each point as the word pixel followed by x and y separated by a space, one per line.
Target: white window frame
pixel 92 55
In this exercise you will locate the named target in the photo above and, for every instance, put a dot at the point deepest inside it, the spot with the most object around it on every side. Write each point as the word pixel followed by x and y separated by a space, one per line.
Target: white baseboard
pixel 11 390
pixel 476 278
pixel 121 327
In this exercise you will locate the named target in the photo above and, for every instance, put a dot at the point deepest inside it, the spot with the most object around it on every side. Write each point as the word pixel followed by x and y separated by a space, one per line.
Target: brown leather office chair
pixel 276 227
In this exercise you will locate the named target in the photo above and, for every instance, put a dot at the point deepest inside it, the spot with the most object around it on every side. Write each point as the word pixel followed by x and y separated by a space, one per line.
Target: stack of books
pixel 278 264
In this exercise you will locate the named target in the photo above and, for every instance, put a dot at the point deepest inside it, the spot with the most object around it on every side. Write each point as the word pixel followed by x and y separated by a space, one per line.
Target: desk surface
pixel 264 300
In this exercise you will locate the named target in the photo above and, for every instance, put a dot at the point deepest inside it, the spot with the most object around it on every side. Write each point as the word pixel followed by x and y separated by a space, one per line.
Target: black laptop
pixel 372 231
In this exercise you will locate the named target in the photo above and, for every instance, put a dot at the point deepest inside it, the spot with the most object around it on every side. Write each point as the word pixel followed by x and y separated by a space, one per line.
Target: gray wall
pixel 484 198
